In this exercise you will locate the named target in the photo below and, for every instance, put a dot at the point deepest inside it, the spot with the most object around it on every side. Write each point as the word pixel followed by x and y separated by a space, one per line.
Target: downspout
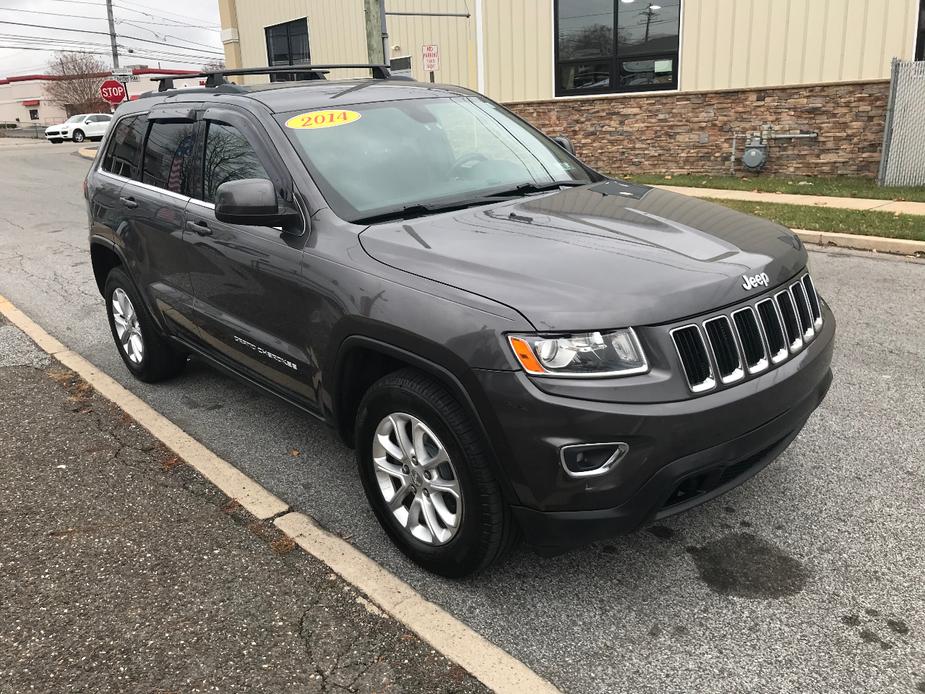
pixel 479 47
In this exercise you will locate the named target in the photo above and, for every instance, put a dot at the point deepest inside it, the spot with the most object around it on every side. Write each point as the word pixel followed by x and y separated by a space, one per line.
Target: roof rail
pixel 215 78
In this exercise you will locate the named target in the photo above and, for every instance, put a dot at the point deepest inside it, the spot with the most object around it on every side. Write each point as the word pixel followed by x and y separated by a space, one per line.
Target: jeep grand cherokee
pixel 514 344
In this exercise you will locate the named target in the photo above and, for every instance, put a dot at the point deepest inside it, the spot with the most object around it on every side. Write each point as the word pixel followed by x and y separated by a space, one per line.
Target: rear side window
pixel 228 157
pixel 169 155
pixel 122 156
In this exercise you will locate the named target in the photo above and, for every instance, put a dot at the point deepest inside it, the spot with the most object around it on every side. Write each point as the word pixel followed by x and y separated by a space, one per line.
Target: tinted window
pixel 616 45
pixel 124 147
pixel 228 157
pixel 287 44
pixel 405 152
pixel 169 155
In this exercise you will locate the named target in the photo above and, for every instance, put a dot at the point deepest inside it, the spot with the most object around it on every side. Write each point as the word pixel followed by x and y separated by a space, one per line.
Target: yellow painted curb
pixel 235 484
pixel 87 152
pixel 491 665
pixel 859 242
pixel 488 663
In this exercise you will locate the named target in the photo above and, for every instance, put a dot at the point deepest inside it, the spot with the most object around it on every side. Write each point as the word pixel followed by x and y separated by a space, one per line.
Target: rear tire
pixel 484 530
pixel 78 136
pixel 144 350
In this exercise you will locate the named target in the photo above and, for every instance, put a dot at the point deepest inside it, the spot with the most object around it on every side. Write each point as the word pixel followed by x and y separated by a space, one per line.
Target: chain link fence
pixel 903 159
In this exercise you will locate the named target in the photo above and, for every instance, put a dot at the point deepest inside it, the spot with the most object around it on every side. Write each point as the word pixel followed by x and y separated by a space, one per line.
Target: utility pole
pixel 112 35
pixel 376 36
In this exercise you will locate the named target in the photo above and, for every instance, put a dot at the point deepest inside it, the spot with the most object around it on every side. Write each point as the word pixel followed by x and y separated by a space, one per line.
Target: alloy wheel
pixel 417 479
pixel 128 330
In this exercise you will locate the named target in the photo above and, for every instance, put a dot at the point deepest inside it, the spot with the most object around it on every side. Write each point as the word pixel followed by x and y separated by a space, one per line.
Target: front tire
pixel 427 476
pixel 56 141
pixel 147 354
pixel 78 136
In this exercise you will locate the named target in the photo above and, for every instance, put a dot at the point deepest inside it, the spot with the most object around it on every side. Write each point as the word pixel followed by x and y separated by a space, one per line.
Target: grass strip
pixel 836 186
pixel 885 224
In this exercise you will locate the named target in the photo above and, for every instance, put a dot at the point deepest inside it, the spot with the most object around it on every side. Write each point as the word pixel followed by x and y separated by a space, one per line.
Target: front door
pixel 247 279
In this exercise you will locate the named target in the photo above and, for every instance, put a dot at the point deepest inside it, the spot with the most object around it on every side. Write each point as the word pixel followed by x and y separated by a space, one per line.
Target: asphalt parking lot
pixel 809 578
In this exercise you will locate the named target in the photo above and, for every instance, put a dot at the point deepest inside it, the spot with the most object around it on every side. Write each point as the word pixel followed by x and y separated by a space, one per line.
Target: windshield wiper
pixel 418 210
pixel 423 210
pixel 526 188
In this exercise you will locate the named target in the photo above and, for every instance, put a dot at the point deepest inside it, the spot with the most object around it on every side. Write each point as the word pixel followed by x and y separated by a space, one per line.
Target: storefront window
pixel 287 44
pixel 605 46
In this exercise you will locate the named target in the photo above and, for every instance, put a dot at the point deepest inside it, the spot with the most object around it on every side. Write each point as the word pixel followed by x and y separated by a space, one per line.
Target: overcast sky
pixel 161 33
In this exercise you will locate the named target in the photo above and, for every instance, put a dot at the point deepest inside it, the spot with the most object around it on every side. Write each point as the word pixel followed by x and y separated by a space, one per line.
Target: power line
pixel 53 14
pixel 106 33
pixel 157 9
pixel 143 56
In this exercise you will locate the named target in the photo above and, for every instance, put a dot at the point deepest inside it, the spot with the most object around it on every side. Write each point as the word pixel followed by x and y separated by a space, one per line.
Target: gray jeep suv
pixel 515 345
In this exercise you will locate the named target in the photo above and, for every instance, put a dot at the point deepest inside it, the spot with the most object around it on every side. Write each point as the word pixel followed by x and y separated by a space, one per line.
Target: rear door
pixel 247 279
pixel 154 198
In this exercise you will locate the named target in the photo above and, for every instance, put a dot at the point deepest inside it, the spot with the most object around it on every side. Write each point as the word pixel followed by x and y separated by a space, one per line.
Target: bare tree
pixel 213 65
pixel 77 89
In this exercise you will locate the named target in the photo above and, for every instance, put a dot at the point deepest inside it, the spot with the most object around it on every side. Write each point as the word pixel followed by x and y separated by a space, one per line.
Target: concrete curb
pixel 88 152
pixel 859 242
pixel 828 201
pixel 494 667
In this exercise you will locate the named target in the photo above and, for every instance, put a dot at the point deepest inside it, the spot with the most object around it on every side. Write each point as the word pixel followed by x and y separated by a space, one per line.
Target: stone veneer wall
pixel 691 132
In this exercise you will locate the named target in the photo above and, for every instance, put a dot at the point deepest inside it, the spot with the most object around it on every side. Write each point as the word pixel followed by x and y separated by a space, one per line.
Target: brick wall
pixel 692 132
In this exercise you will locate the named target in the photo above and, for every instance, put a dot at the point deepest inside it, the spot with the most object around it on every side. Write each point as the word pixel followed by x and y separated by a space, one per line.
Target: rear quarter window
pixel 124 151
pixel 169 155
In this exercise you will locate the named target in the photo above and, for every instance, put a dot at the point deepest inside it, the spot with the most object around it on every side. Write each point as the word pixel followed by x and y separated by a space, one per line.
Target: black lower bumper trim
pixel 700 477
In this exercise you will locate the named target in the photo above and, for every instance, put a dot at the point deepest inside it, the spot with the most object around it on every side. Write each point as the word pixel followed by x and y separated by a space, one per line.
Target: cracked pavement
pixel 124 570
pixel 808 578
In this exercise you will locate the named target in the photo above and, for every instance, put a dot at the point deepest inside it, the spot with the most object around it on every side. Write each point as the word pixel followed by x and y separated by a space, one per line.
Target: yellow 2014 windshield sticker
pixel 322 119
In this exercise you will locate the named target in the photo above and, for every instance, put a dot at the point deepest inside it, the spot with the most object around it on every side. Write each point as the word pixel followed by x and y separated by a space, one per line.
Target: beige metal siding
pixel 335 30
pixel 336 34
pixel 518 49
pixel 725 44
pixel 455 37
pixel 730 44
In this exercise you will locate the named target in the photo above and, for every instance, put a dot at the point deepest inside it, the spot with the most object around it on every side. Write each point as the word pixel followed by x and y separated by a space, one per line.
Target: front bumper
pixel 681 453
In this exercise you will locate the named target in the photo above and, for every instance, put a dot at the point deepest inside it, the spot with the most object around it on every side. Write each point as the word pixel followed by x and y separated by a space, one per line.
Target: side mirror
pixel 252 201
pixel 564 143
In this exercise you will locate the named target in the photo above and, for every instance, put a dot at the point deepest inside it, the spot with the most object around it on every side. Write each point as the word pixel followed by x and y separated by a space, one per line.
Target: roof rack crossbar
pixel 215 78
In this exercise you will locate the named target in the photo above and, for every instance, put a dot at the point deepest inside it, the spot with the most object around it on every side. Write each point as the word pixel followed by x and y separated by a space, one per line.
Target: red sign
pixel 431 57
pixel 112 91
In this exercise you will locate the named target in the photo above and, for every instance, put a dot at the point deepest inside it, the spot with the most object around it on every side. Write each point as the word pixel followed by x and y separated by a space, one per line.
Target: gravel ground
pixel 806 579
pixel 124 570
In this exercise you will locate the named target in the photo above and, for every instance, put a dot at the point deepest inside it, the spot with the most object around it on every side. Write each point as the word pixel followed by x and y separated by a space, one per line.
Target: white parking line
pixel 491 665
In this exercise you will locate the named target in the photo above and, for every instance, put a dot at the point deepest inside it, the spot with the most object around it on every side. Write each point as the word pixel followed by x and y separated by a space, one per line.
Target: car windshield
pixel 74 119
pixel 375 160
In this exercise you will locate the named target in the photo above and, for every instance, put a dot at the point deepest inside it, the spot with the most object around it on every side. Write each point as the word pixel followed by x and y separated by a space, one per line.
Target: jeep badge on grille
pixel 761 280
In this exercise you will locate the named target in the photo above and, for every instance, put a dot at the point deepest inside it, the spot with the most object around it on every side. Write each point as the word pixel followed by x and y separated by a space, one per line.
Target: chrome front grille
pixel 749 340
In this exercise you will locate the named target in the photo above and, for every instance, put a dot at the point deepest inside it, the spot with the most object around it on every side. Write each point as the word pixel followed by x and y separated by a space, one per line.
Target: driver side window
pixel 228 157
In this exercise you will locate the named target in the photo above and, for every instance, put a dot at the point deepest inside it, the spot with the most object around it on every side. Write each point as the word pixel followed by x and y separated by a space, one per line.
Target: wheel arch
pixel 362 360
pixel 104 256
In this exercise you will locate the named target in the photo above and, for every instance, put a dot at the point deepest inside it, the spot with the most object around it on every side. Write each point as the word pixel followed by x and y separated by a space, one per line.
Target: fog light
pixel 592 459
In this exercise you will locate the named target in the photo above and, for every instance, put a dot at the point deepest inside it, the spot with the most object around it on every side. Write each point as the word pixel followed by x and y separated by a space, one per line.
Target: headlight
pixel 616 353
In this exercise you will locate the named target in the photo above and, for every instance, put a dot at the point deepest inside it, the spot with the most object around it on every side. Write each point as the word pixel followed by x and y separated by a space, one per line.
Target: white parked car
pixel 84 126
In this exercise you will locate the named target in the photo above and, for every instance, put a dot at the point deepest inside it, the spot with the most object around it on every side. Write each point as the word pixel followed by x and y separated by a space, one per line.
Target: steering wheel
pixel 471 157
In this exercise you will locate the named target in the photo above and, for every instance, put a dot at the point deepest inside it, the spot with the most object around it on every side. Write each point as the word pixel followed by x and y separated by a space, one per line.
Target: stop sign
pixel 113 91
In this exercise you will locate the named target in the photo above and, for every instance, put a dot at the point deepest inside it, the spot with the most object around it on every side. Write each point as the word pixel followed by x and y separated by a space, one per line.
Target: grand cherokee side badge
pixel 761 280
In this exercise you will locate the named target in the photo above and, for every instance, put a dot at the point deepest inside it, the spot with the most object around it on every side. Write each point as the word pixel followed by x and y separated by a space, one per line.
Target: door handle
pixel 129 202
pixel 200 228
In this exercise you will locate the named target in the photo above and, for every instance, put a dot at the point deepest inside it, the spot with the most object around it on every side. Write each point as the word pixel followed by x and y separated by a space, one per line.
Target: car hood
pixel 605 255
